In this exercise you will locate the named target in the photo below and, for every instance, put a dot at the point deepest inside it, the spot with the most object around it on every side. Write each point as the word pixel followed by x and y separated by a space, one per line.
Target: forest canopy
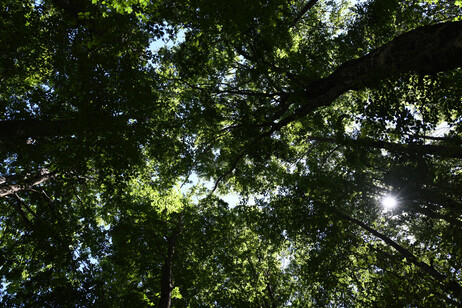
pixel 200 153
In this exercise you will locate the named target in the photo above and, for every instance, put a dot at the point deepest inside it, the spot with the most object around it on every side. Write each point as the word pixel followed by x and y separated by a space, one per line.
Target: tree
pixel 280 123
pixel 313 109
pixel 50 238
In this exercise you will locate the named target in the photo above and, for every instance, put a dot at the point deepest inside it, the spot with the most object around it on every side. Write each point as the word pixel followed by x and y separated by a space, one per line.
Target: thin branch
pixel 24 204
pixel 56 212
pixel 329 154
pixel 275 127
pixel 305 9
pixel 230 169
pixel 248 93
pixel 432 149
pixel 292 77
pixel 232 89
pixel 431 137
pixel 448 283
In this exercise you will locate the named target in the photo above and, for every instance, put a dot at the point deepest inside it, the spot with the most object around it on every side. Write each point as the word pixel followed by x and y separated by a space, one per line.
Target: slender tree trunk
pixel 451 285
pixel 27 182
pixel 167 273
pixel 269 288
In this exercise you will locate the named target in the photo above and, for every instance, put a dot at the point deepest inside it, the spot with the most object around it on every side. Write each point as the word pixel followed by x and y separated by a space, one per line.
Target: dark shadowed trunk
pixel 167 273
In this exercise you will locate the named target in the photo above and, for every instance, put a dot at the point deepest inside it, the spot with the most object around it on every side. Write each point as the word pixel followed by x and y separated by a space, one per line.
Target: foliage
pixel 117 153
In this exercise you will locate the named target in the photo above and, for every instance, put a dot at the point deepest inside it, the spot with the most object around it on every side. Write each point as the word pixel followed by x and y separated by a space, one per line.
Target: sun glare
pixel 389 202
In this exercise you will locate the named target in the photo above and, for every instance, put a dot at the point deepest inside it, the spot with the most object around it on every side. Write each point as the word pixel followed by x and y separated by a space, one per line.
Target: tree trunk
pixel 33 128
pixel 270 290
pixel 166 281
pixel 426 50
pixel 29 182
pixel 451 285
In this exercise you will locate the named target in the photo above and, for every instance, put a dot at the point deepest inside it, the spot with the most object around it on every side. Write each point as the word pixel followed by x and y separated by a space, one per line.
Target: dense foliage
pixel 125 127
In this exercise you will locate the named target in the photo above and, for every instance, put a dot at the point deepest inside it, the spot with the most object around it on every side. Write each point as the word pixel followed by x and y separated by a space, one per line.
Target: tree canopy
pixel 125 124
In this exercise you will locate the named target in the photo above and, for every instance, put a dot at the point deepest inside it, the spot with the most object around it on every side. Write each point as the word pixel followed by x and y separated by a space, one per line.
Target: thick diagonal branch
pixel 27 182
pixel 425 50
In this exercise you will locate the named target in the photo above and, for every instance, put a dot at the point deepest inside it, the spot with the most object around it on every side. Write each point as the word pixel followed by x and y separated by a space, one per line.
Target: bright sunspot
pixel 389 202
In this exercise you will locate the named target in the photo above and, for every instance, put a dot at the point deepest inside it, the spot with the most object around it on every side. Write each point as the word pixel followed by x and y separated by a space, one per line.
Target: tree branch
pixel 18 208
pixel 449 284
pixel 433 149
pixel 305 9
pixel 37 179
pixel 426 50
pixel 27 207
pixel 230 169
